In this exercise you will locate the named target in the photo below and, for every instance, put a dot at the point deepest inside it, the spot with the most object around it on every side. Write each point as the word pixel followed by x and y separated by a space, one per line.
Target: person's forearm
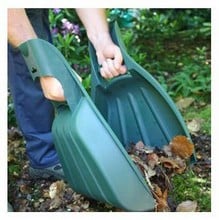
pixel 95 23
pixel 19 27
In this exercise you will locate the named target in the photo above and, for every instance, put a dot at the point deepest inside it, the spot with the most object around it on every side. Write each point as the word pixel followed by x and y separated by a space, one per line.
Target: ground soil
pixel 29 195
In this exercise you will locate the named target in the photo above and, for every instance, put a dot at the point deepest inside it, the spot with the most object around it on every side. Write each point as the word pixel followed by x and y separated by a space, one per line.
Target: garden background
pixel 174 45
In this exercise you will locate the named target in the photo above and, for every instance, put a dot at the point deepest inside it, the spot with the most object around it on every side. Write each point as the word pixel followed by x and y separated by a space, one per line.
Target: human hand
pixel 110 59
pixel 108 54
pixel 52 88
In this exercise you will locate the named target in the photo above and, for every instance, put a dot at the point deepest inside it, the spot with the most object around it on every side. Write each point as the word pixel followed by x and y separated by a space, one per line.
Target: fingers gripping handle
pixel 128 61
pixel 43 59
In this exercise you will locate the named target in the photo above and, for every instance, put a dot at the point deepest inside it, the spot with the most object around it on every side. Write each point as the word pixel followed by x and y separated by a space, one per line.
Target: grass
pixel 189 186
pixel 203 113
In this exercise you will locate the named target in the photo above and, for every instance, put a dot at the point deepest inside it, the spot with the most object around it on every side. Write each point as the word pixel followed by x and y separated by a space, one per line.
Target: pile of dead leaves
pixel 159 165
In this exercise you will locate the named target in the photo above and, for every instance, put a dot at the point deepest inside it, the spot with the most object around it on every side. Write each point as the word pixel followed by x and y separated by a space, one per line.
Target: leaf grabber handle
pixel 44 59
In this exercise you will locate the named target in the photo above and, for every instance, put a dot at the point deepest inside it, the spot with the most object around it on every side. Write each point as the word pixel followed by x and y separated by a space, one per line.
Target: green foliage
pixel 174 46
pixel 205 114
pixel 87 83
pixel 172 22
pixel 14 169
pixel 135 52
pixel 189 186
pixel 194 79
pixel 70 38
pixel 160 38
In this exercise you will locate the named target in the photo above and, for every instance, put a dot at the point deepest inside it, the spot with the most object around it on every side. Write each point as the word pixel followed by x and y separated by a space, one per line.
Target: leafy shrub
pixel 174 46
pixel 159 37
pixel 167 23
pixel 194 79
pixel 69 37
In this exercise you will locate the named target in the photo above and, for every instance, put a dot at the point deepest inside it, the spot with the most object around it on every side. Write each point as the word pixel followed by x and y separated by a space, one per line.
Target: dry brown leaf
pixel 182 165
pixel 56 192
pixel 139 162
pixel 185 103
pixel 169 163
pixel 181 146
pixel 85 205
pixel 75 208
pixel 11 158
pixel 24 188
pixel 76 196
pixel 46 193
pixel 176 164
pixel 152 160
pixel 146 170
pixel 194 125
pixel 187 206
pixel 162 204
pixel 56 189
pixel 157 190
pixel 55 203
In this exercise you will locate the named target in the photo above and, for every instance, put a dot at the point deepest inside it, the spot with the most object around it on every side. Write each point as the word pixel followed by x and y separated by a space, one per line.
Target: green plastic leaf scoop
pixel 94 160
pixel 135 105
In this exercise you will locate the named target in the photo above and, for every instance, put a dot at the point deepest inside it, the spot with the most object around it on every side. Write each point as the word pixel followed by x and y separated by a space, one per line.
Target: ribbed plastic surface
pixel 95 162
pixel 135 105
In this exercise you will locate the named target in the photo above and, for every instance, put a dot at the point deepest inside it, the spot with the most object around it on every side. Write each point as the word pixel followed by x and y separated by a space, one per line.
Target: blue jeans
pixel 34 113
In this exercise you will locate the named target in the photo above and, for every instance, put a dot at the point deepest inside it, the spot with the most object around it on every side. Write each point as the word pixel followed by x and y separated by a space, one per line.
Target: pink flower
pixel 56 10
pixel 68 27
